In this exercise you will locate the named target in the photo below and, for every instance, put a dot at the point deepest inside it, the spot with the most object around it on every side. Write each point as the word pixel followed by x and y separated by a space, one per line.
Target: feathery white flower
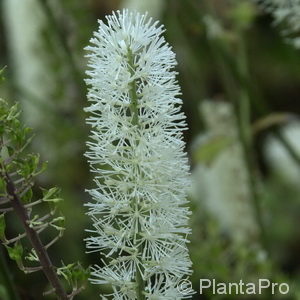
pixel 287 12
pixel 139 213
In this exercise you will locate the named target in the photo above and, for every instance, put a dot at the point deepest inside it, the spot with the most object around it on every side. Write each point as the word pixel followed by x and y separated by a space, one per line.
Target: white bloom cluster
pixel 287 12
pixel 139 213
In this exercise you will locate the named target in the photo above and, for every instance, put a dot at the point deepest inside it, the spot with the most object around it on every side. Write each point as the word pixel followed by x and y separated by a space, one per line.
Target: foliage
pixel 36 210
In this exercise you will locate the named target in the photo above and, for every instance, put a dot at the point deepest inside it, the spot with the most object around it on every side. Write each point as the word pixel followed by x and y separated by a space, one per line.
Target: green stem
pixel 132 90
pixel 8 282
pixel 235 79
pixel 244 118
pixel 34 238
pixel 140 284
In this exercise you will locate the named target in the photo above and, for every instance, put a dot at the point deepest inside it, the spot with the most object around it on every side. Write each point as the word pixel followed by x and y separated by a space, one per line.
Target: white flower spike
pixel 139 213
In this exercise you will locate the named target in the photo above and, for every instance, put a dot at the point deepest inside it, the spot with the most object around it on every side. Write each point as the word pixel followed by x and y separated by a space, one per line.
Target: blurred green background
pixel 240 81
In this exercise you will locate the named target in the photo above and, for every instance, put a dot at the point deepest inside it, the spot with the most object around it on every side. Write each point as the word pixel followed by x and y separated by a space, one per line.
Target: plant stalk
pixel 243 109
pixel 236 83
pixel 48 267
pixel 134 112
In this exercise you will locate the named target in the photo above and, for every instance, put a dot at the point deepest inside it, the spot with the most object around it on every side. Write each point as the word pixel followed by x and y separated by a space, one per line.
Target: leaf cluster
pixel 37 209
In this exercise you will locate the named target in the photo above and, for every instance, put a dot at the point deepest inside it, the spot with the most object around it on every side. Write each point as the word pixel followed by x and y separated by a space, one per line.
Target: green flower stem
pixel 135 121
pixel 132 90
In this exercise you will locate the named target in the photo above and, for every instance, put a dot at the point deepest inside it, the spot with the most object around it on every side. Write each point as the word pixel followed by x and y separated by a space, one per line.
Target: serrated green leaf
pixel 65 271
pixel 35 159
pixel 28 196
pixel 24 169
pixel 49 193
pixel 42 168
pixel 15 252
pixel 50 196
pixel 79 274
pixel 13 113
